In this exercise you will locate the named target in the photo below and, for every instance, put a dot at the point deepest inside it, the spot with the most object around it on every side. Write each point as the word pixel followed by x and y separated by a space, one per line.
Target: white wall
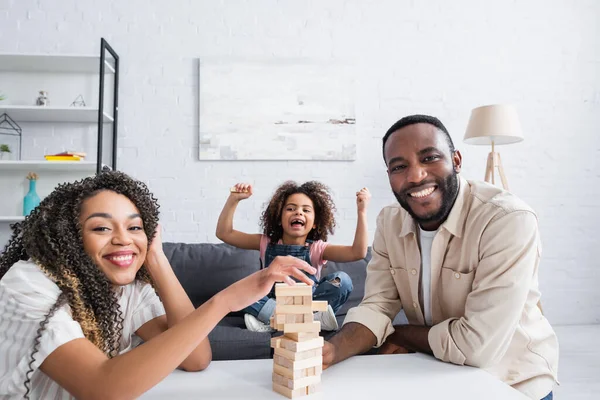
pixel 435 57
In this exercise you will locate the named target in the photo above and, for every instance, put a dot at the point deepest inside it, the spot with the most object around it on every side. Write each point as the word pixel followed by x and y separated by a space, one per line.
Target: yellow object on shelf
pixel 62 158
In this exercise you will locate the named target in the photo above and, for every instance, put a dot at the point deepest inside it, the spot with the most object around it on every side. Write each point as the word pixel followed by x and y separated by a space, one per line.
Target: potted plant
pixel 4 151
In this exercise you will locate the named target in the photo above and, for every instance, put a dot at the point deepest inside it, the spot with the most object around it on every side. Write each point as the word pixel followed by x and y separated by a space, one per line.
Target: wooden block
pixel 288 372
pixel 289 393
pixel 284 300
pixel 297 373
pixel 280 318
pixel 293 309
pixel 308 317
pixel 307 300
pixel 299 289
pixel 314 388
pixel 298 300
pixel 295 383
pixel 300 364
pixel 276 342
pixel 314 326
pixel 319 305
pixel 301 336
pixel 298 355
pixel 292 345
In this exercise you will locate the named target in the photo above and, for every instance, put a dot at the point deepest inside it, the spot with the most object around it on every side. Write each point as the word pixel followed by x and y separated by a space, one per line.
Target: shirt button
pixel 392 271
pixel 457 275
pixel 415 305
pixel 413 271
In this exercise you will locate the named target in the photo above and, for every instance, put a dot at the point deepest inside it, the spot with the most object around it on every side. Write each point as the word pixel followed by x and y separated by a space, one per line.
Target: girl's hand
pixel 241 191
pixel 363 197
pixel 256 286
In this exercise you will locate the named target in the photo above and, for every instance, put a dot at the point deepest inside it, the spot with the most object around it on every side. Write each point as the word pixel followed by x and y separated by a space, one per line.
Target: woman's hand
pixel 363 197
pixel 254 287
pixel 240 191
pixel 155 255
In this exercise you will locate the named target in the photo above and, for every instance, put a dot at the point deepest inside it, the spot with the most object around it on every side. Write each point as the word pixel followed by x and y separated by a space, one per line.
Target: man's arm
pixel 351 340
pixel 510 252
pixel 371 322
pixel 407 338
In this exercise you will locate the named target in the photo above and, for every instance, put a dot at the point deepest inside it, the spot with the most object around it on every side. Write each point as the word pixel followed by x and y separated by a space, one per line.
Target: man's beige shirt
pixel 484 287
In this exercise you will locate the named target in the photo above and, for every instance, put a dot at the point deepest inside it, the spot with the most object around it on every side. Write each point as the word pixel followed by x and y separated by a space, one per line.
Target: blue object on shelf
pixel 31 200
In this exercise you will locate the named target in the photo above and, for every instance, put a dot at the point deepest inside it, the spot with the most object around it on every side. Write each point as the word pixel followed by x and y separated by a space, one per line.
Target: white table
pixel 403 376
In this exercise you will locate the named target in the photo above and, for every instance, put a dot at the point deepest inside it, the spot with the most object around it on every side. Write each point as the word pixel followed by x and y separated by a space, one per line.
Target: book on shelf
pixel 66 156
pixel 63 158
pixel 70 153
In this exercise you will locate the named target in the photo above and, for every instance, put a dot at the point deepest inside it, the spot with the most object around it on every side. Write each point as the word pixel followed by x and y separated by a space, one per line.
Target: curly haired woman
pixel 296 222
pixel 84 278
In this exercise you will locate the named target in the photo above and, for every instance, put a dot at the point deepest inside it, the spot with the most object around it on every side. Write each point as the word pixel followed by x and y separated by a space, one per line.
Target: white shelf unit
pixel 53 114
pixel 65 77
pixel 9 219
pixel 88 167
pixel 54 63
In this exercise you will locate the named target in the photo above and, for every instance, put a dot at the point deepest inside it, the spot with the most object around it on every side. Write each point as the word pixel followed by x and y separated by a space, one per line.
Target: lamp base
pixel 494 161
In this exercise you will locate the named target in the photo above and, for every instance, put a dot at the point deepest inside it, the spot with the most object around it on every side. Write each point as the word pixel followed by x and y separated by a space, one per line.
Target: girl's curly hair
pixel 270 220
pixel 51 236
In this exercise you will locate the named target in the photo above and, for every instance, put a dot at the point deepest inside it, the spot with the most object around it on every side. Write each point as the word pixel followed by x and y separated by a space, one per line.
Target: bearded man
pixel 461 259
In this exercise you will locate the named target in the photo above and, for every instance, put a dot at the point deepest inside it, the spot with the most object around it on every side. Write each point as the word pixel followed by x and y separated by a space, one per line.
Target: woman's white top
pixel 26 296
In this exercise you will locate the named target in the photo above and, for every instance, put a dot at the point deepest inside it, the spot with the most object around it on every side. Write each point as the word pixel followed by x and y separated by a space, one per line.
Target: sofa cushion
pixel 204 269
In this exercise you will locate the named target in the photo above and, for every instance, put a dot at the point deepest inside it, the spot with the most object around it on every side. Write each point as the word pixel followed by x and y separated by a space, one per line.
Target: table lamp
pixel 496 125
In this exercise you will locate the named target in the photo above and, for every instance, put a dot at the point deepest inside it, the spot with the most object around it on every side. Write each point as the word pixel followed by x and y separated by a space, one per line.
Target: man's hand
pixel 328 354
pixel 391 348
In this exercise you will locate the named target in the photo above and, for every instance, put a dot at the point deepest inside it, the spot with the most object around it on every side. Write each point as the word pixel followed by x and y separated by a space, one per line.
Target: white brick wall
pixel 436 57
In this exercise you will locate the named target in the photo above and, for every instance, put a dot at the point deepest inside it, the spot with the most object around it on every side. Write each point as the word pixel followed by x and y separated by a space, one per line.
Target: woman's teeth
pixel 128 257
pixel 422 193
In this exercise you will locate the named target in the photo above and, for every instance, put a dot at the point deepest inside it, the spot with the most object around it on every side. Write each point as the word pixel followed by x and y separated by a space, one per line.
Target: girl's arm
pixel 176 302
pixel 87 373
pixel 359 248
pixel 225 231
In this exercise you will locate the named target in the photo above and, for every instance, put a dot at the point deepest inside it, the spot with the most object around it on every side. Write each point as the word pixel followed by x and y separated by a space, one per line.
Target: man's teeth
pixel 122 258
pixel 423 193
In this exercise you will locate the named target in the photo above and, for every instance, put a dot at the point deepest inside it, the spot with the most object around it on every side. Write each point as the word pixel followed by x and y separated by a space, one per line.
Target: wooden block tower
pixel 298 358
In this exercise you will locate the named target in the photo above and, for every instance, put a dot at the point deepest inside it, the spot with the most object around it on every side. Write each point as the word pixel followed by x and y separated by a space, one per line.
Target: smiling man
pixel 461 259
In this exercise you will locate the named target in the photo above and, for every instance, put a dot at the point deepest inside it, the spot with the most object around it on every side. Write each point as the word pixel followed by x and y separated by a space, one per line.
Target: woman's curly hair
pixel 51 236
pixel 270 220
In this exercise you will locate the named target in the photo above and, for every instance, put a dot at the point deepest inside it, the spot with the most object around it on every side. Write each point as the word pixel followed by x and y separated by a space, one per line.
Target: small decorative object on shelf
pixel 42 99
pixel 2 97
pixel 4 152
pixel 78 102
pixel 31 200
pixel 12 131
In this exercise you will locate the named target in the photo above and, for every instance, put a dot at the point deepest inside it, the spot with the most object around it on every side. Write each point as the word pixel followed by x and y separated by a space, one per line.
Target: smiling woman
pixel 84 278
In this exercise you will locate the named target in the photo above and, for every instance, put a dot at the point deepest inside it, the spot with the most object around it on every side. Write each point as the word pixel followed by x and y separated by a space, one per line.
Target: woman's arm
pixel 225 231
pixel 87 373
pixel 176 302
pixel 359 247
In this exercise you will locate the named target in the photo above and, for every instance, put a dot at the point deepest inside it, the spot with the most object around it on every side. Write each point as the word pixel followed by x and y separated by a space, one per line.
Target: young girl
pixel 296 222
pixel 84 278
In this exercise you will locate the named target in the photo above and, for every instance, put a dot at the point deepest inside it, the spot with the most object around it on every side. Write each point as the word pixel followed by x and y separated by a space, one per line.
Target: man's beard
pixel 448 187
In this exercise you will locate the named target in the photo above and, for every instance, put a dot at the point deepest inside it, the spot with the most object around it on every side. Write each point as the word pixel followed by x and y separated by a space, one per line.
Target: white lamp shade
pixel 496 123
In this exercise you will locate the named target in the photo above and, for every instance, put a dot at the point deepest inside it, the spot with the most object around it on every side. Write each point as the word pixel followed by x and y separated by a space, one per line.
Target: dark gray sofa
pixel 205 269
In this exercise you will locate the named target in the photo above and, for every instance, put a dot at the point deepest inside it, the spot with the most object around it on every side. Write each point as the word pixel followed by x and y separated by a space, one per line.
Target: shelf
pixel 79 166
pixel 14 218
pixel 53 114
pixel 53 63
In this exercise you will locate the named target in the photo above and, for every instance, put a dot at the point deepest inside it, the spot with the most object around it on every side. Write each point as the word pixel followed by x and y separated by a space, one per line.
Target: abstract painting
pixel 276 110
